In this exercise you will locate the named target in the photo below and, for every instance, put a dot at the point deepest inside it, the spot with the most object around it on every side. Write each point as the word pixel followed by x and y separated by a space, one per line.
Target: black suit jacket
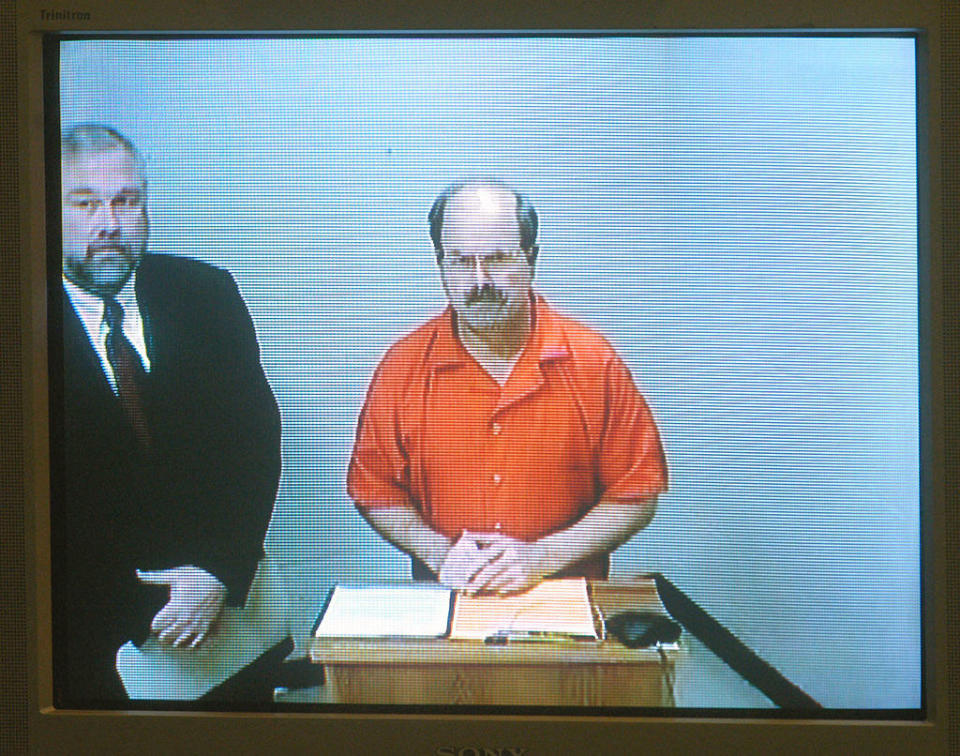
pixel 203 497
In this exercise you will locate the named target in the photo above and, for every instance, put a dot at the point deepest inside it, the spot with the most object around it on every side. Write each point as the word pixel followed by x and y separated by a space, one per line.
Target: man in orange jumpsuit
pixel 501 442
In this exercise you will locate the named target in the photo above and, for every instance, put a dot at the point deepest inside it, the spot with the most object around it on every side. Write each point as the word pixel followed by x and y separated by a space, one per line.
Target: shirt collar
pixel 127 296
pixel 546 342
pixel 547 326
pixel 90 307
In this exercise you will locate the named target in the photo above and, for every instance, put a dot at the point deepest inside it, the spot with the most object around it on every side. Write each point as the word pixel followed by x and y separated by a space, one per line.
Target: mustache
pixel 108 246
pixel 486 293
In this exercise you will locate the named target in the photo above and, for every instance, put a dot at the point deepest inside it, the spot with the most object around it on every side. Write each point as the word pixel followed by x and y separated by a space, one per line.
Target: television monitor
pixel 744 202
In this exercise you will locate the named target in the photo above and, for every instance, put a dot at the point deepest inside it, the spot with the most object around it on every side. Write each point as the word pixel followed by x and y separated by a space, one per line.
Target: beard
pixel 105 267
pixel 488 309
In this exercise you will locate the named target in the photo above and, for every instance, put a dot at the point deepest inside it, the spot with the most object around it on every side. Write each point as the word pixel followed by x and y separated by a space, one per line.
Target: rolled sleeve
pixel 379 471
pixel 632 464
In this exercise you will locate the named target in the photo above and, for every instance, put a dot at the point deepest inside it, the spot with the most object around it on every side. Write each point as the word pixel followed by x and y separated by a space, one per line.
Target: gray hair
pixel 94 138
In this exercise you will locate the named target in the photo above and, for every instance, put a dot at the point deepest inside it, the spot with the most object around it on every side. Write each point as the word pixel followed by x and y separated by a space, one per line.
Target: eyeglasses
pixel 493 262
pixel 90 204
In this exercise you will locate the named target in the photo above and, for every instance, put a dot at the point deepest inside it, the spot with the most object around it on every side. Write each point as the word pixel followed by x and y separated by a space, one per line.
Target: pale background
pixel 737 215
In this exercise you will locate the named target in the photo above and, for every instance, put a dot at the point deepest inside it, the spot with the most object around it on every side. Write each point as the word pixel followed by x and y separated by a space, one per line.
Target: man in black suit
pixel 171 432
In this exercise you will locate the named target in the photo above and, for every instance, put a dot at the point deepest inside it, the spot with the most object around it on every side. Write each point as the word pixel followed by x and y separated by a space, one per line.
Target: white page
pixel 559 607
pixel 378 611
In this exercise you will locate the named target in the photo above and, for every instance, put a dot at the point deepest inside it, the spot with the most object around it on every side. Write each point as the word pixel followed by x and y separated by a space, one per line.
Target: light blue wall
pixel 738 216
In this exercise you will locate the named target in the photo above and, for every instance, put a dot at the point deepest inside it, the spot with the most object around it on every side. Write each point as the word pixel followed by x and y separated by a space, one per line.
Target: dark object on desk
pixel 642 629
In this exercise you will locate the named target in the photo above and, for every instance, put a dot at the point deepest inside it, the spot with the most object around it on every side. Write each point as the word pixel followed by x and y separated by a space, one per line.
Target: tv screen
pixel 716 247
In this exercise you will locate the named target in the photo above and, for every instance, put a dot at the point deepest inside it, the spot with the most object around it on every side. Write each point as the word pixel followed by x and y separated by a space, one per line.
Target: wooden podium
pixel 438 671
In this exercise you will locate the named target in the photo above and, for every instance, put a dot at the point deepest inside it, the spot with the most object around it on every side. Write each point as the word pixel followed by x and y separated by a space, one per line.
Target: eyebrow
pixel 87 190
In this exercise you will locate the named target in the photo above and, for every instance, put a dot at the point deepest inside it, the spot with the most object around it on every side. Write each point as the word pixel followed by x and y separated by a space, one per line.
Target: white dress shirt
pixel 89 308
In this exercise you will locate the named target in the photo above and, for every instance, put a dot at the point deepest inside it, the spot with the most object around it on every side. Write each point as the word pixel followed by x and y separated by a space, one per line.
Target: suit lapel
pixel 146 303
pixel 80 359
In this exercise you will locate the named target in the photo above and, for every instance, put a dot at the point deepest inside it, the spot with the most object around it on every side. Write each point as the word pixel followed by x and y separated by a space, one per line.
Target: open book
pixel 554 609
pixel 551 610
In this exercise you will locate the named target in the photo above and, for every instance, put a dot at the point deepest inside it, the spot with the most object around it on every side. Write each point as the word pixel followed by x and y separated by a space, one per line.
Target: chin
pixel 483 321
pixel 111 274
pixel 110 283
pixel 103 285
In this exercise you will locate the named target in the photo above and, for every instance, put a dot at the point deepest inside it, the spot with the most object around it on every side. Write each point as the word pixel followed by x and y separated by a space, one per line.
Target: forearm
pixel 408 531
pixel 231 545
pixel 605 527
pixel 237 489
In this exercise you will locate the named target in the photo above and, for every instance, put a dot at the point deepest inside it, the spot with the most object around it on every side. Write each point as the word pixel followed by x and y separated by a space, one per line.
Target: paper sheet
pixel 386 611
pixel 554 609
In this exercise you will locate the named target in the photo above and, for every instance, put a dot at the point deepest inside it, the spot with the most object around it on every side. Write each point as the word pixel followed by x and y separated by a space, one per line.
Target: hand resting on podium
pixel 498 563
pixel 493 563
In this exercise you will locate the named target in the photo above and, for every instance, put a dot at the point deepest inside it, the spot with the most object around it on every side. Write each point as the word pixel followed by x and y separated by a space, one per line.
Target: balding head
pixel 88 139
pixel 484 235
pixel 489 196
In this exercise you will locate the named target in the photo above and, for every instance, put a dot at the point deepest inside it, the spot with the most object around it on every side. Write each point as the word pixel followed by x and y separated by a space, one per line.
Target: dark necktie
pixel 127 371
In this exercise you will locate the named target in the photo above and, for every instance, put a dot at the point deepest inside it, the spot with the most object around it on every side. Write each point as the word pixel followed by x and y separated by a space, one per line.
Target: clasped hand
pixel 493 563
pixel 196 599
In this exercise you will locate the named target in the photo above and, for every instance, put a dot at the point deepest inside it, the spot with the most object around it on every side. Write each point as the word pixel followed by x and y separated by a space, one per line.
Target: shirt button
pixel 496 428
pixel 496 478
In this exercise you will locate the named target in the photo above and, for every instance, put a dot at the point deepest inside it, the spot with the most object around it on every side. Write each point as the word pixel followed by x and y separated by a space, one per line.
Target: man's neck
pixel 99 292
pixel 497 349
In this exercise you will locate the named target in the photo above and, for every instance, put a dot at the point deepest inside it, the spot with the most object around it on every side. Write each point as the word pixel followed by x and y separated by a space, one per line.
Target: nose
pixel 107 221
pixel 480 270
